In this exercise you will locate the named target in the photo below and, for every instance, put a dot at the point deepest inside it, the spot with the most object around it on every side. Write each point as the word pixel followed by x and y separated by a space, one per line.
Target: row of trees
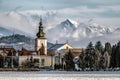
pixel 95 57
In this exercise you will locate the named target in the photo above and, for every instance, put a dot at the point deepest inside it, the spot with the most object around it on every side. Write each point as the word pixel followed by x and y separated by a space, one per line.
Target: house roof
pixel 56 46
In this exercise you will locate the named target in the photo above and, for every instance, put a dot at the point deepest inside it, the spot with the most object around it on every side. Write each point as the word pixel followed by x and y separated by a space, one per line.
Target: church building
pixel 40 56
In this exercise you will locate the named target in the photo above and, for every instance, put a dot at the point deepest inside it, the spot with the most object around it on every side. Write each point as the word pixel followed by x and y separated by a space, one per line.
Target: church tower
pixel 41 41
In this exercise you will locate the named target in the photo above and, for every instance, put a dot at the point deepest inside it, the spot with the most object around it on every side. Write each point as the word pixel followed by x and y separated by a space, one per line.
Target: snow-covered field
pixel 60 75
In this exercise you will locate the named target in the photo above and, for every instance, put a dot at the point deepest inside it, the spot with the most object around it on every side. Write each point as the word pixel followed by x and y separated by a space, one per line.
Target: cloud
pixel 50 17
pixel 55 4
pixel 84 11
pixel 66 8
pixel 104 15
pixel 15 20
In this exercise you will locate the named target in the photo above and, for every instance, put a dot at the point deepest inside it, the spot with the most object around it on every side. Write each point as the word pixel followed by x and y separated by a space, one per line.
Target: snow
pixel 71 30
pixel 56 46
pixel 73 22
pixel 60 75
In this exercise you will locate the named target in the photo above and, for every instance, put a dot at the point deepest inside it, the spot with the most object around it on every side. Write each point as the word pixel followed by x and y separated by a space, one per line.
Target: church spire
pixel 41 33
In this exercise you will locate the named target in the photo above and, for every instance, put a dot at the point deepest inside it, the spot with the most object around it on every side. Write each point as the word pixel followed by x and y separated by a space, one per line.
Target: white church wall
pixel 39 42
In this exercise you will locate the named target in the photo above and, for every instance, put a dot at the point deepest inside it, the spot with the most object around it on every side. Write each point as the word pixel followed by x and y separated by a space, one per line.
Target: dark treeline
pixel 95 57
pixel 16 38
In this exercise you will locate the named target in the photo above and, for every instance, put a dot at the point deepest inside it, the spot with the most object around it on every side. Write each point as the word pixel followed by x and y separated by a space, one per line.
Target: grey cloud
pixel 56 4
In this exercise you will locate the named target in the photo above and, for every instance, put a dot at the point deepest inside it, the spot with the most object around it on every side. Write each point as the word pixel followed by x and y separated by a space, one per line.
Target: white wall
pixel 65 47
pixel 38 43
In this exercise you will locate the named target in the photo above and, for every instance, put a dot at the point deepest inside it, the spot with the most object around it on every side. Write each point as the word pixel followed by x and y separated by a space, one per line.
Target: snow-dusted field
pixel 60 75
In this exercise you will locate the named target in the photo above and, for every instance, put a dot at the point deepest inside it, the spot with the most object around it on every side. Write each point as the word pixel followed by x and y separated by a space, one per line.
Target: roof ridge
pixel 55 45
pixel 52 46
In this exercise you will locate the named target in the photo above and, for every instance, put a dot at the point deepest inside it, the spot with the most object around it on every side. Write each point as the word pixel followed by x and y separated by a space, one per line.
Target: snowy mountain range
pixel 79 34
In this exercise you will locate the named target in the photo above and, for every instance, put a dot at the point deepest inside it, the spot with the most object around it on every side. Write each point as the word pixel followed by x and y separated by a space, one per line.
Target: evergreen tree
pixel 15 62
pixel 97 57
pixel 10 53
pixel 69 61
pixel 102 62
pixel 99 46
pixel 81 60
pixel 108 47
pixel 113 57
pixel 90 46
pixel 89 58
pixel 107 60
pixel 117 57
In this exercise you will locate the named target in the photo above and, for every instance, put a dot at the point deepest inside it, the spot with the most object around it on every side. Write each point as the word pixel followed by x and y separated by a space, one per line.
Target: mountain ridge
pixel 66 29
pixel 19 41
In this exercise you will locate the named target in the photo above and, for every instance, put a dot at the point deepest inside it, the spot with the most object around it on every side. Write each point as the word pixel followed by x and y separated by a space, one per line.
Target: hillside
pixel 17 38
pixel 18 41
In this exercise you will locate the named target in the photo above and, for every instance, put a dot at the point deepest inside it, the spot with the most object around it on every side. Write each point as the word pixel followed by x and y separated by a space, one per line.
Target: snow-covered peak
pixel 100 29
pixel 67 21
pixel 67 24
pixel 72 22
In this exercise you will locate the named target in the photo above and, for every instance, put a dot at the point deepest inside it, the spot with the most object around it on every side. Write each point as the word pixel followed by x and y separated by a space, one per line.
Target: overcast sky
pixel 106 12
pixel 24 15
